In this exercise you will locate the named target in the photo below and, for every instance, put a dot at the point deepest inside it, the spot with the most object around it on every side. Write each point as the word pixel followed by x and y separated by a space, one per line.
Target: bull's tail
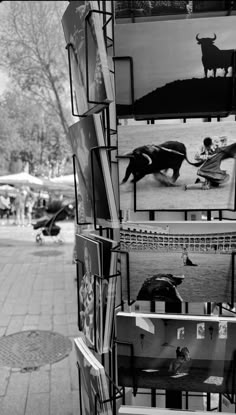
pixel 197 164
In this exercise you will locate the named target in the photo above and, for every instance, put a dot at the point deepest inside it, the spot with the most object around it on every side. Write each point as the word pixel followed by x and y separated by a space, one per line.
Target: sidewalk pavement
pixel 38 292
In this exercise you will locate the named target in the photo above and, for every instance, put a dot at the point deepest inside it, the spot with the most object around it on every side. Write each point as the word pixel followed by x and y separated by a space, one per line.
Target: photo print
pixel 93 382
pixel 91 80
pixel 186 72
pixel 109 270
pixel 164 361
pixel 93 171
pixel 89 301
pixel 178 261
pixel 180 166
pixel 134 9
pixel 144 410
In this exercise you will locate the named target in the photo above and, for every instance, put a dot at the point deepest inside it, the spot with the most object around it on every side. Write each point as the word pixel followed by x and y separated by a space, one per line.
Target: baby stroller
pixel 47 225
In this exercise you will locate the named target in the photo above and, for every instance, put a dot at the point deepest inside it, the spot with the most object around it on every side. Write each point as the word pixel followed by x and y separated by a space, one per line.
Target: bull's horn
pixel 148 158
pixel 198 38
pixel 214 38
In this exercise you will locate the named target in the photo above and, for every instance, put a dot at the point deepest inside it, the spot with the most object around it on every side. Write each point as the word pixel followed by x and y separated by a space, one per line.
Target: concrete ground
pixel 38 291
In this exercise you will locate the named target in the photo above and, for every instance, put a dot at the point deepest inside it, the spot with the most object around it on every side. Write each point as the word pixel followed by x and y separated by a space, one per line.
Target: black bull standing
pixel 154 159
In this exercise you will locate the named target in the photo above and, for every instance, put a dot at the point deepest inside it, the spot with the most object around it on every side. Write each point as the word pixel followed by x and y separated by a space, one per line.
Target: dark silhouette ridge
pixel 190 97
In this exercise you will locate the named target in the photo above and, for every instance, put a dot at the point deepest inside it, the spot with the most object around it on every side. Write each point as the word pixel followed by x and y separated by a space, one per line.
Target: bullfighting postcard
pixel 181 68
pixel 90 291
pixel 169 355
pixel 179 261
pixel 92 166
pixel 109 269
pixel 177 166
pixel 93 382
pixel 91 80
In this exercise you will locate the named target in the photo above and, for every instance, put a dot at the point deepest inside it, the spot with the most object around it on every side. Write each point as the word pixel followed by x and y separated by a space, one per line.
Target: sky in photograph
pixel 165 51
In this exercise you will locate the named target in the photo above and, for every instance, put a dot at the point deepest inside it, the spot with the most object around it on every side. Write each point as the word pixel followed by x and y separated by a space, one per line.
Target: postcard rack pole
pixel 232 278
pixel 87 17
pixel 96 278
pixel 75 188
pixel 131 66
pixel 78 262
pixel 231 395
pixel 76 196
pixel 109 40
pixel 126 253
pixel 92 151
pixel 233 102
pixel 131 347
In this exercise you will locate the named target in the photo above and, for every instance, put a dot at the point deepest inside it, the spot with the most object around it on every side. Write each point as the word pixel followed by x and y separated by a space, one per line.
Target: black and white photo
pixel 186 71
pixel 177 166
pixel 201 365
pixel 179 261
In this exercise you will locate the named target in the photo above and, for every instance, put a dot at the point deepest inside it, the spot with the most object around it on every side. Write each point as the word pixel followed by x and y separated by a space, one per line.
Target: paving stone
pixel 3 331
pixel 31 319
pixel 4 319
pixel 75 402
pixel 18 384
pixel 45 323
pixel 59 308
pixel 60 380
pixel 4 379
pixel 13 404
pixel 16 324
pixel 61 404
pixel 8 307
pixel 39 381
pixel 38 404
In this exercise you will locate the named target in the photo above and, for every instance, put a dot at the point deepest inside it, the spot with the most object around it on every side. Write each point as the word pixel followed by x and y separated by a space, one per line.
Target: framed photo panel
pixel 89 301
pixel 162 360
pixel 143 410
pixel 150 10
pixel 179 261
pixel 109 270
pixel 96 188
pixel 91 79
pixel 187 72
pixel 180 166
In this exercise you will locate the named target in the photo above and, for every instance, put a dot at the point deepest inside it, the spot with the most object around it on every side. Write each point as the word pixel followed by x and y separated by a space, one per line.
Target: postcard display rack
pixel 130 311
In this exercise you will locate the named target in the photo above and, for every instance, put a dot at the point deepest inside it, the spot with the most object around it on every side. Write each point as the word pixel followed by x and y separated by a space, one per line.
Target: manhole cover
pixel 31 349
pixel 47 253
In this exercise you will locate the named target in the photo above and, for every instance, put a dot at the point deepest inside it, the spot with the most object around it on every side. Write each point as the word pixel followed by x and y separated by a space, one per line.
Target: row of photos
pixel 187 72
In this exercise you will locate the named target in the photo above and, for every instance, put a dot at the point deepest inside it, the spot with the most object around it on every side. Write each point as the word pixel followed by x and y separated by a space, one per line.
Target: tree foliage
pixel 37 109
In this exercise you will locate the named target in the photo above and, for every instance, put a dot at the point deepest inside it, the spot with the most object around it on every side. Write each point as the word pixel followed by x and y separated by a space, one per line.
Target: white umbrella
pixel 67 179
pixel 50 185
pixel 11 191
pixel 21 179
